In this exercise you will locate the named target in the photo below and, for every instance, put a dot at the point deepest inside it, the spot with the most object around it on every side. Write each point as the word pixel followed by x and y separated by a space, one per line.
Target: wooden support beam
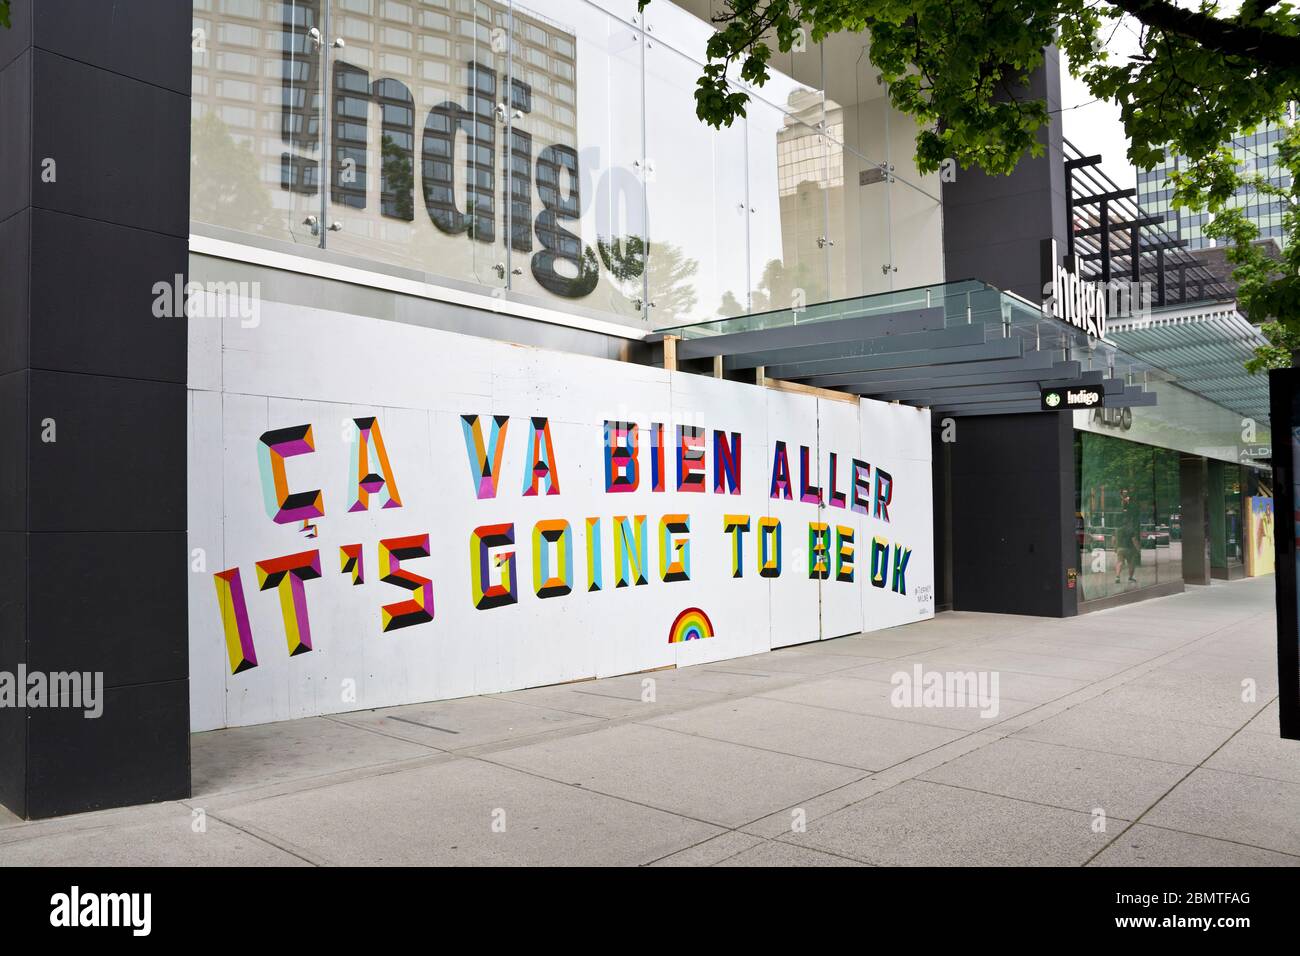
pixel 670 353
pixel 717 366
pixel 781 385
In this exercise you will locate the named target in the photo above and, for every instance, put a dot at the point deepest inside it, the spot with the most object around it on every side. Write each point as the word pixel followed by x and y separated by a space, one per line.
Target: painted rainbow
pixel 691 625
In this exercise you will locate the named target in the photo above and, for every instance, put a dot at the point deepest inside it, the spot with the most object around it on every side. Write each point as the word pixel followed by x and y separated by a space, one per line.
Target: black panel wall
pixel 94 211
pixel 1012 536
pixel 993 225
pixel 1194 481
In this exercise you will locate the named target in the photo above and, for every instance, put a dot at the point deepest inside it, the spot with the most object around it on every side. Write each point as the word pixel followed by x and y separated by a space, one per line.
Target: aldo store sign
pixel 1067 297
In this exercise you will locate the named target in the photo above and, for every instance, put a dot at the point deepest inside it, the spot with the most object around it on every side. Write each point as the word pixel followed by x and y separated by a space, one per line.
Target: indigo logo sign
pixel 1067 297
pixel 469 160
pixel 1081 396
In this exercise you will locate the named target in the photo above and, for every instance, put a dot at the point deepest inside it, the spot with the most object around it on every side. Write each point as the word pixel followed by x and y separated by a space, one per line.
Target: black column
pixel 993 225
pixel 1194 482
pixel 1013 529
pixel 94 211
pixel 943 429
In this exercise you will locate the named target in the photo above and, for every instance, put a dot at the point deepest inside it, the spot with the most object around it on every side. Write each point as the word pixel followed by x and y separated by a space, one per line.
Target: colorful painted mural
pixel 1259 536
pixel 558 515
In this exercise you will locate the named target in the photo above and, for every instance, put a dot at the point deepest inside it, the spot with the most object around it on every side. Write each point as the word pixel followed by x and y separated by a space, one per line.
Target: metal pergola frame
pixel 1115 238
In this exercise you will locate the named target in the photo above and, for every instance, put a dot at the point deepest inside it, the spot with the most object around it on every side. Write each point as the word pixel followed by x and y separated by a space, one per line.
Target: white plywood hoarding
pixel 384 514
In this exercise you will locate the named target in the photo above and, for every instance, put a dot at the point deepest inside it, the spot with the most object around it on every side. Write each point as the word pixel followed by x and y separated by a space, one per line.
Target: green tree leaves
pixel 961 69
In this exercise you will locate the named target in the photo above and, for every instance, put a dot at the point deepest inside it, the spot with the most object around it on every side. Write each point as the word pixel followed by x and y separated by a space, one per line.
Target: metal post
pixel 1069 212
pixel 1105 241
pixel 1135 251
pixel 1160 277
pixel 326 123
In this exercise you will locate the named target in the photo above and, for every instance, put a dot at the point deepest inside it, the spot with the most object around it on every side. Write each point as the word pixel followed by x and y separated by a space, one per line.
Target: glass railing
pixel 953 297
pixel 964 302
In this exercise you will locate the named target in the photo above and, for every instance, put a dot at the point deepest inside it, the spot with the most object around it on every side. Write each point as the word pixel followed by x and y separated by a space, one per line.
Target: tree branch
pixel 1223 36
pixel 1254 9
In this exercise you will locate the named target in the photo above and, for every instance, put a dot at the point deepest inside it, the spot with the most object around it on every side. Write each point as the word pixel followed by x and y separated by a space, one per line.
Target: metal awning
pixel 1206 348
pixel 960 348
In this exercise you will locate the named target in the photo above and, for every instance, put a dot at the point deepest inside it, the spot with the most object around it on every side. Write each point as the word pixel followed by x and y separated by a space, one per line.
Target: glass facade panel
pixel 787 228
pixel 867 129
pixel 871 230
pixel 1164 543
pixel 1227 525
pixel 698 204
pixel 1256 153
pixel 414 97
pixel 1128 502
pixel 914 218
pixel 546 151
pixel 1235 522
pixel 579 226
pixel 256 119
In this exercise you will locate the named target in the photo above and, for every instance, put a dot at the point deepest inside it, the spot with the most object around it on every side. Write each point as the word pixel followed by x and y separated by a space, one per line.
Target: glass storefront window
pixel 1127 512
pixel 1236 523
pixel 1166 538
pixel 547 150
pixel 1227 525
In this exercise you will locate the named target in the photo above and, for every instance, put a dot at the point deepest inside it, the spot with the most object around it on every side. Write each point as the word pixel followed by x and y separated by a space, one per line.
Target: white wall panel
pixel 897 438
pixel 303 367
pixel 839 433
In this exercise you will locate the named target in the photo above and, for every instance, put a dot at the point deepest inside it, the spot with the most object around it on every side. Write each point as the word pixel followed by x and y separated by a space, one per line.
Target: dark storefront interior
pixel 1129 512
pixel 1133 521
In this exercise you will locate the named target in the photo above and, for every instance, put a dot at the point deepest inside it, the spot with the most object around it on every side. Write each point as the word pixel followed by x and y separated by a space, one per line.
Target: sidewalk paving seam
pixel 257 834
pixel 338 719
pixel 1220 839
pixel 988 735
pixel 1106 753
pixel 1178 783
pixel 612 796
pixel 739 829
pixel 268 791
pixel 1006 796
pixel 786 753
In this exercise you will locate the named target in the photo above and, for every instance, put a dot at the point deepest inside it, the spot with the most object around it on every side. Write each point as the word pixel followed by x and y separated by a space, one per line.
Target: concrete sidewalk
pixel 1131 719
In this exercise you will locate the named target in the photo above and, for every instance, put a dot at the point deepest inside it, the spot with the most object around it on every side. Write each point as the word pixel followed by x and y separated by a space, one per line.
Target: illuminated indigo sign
pixel 1067 297
pixel 1080 396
